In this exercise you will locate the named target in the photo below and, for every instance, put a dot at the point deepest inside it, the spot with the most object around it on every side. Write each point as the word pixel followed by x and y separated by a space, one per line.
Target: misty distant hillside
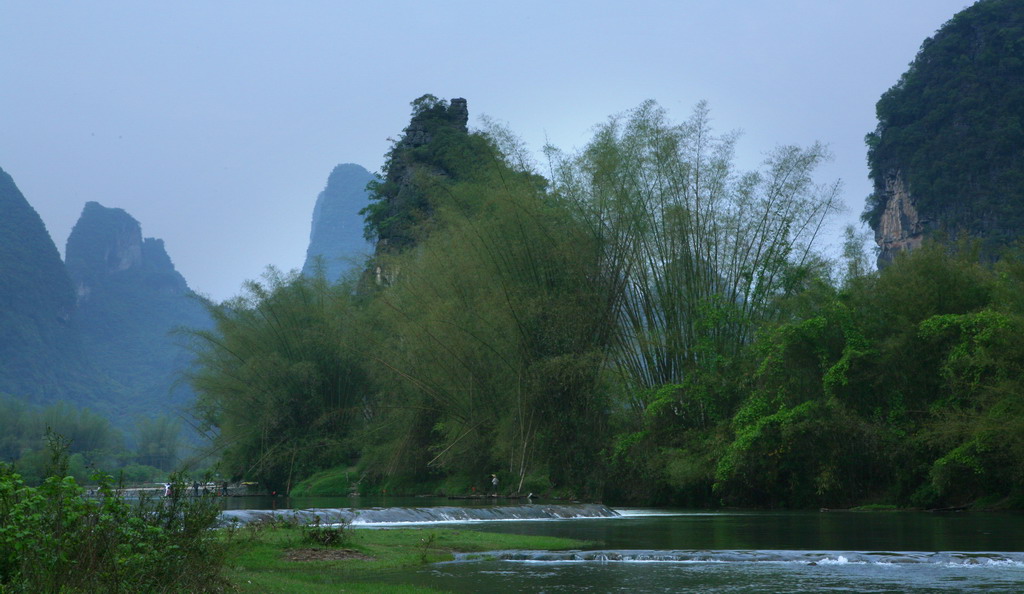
pixel 98 330
pixel 336 235
pixel 130 300
pixel 40 354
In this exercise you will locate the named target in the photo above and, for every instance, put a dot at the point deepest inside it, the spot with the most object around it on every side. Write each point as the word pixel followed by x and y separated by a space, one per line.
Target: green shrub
pixel 814 454
pixel 329 535
pixel 53 538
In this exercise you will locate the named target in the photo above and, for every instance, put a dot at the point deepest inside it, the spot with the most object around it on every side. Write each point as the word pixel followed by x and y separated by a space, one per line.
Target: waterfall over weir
pixel 884 558
pixel 393 516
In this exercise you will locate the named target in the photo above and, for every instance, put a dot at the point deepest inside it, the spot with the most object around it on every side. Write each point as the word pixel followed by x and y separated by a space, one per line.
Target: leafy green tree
pixel 696 256
pixel 495 329
pixel 976 431
pixel 901 387
pixel 157 442
pixel 702 250
pixel 278 380
pixel 802 437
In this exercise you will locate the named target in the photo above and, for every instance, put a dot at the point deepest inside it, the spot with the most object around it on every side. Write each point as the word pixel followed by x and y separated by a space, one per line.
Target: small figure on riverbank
pixel 195 488
pixel 494 483
pixel 167 489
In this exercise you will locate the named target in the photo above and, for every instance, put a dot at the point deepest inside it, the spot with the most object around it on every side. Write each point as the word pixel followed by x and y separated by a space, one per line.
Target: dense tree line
pixel 901 387
pixel 155 447
pixel 645 324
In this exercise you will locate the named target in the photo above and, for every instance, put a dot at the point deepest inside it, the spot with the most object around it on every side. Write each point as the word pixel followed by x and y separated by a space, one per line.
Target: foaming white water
pixel 635 512
pixel 1011 560
pixel 840 560
pixel 400 524
pixel 410 516
pixel 626 512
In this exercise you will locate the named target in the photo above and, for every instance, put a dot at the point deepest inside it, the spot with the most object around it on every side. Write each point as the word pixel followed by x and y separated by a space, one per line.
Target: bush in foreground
pixel 54 538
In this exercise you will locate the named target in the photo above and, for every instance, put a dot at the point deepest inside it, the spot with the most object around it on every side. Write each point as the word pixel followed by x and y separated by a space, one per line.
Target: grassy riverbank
pixel 280 558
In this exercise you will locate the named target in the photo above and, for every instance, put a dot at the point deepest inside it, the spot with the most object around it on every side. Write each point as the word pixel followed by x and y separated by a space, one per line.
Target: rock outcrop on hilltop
pixel 107 243
pixel 400 204
pixel 336 237
pixel 947 156
pixel 130 299
pixel 435 148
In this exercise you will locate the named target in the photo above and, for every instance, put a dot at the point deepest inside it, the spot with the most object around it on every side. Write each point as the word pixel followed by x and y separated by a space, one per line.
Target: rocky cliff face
pixel 107 244
pixel 130 299
pixel 901 227
pixel 105 241
pixel 336 234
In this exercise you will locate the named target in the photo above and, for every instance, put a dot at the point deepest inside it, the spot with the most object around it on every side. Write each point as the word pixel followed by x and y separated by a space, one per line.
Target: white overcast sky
pixel 216 123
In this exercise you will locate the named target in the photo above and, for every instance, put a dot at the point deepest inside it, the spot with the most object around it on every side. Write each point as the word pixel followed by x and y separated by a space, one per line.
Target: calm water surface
pixel 660 550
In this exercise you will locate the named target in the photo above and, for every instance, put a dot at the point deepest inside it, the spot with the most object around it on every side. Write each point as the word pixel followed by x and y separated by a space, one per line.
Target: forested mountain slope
pixel 130 299
pixel 95 332
pixel 40 355
pixel 947 156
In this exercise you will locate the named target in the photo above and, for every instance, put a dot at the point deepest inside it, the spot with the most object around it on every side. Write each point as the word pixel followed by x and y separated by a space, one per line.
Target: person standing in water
pixel 494 483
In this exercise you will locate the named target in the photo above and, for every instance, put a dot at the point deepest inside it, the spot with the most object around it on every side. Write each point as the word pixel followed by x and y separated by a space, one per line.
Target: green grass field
pixel 281 558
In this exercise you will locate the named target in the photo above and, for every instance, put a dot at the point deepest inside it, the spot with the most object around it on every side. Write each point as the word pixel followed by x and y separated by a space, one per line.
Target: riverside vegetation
pixel 55 538
pixel 58 538
pixel 644 324
pixel 640 322
pixel 282 557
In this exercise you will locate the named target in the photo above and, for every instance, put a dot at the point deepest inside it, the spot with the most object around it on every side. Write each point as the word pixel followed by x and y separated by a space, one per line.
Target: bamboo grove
pixel 645 323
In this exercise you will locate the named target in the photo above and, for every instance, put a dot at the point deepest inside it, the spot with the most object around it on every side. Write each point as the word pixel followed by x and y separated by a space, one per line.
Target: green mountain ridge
pixel 947 155
pixel 130 300
pixel 96 331
pixel 40 347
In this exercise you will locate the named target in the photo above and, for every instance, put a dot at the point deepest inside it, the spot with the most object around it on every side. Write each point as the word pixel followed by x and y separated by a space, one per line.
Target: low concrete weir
pixel 385 516
pixel 945 558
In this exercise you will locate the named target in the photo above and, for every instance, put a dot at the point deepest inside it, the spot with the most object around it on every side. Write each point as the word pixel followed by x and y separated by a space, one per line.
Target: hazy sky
pixel 215 124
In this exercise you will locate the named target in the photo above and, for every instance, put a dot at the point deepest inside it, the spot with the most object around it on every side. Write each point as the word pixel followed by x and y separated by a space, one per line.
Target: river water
pixel 659 550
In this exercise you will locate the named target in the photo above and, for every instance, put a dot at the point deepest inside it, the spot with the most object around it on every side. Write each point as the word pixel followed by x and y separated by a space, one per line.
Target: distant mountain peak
pixel 39 353
pixel 107 242
pixel 102 242
pixel 947 154
pixel 336 232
